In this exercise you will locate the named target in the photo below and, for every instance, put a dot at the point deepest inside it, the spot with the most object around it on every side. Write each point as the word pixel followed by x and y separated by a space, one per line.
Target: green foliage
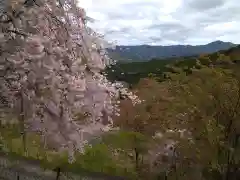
pixel 134 71
pixel 97 159
pixel 127 140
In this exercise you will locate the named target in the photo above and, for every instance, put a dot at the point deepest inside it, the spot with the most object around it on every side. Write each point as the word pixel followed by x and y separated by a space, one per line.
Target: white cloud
pixel 165 22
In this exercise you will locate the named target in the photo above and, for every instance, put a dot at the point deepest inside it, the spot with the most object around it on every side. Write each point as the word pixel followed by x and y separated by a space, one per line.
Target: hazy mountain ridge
pixel 147 52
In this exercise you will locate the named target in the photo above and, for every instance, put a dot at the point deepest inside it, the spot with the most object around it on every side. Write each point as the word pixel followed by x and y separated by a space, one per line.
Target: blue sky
pixel 165 22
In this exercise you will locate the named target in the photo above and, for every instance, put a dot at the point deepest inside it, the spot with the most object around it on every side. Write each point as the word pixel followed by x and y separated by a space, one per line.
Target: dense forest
pixel 186 127
pixel 132 72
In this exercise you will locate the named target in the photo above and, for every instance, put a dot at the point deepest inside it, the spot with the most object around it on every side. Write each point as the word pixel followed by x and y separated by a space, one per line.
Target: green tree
pixel 223 59
pixel 205 60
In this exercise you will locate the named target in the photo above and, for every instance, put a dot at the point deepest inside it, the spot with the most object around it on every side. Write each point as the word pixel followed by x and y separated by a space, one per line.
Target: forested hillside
pixel 132 72
pixel 188 126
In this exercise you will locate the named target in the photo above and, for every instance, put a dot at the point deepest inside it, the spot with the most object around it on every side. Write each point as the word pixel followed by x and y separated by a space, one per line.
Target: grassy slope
pixel 96 159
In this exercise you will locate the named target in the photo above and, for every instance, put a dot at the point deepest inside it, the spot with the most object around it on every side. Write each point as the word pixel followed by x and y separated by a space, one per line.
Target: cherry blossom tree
pixel 50 80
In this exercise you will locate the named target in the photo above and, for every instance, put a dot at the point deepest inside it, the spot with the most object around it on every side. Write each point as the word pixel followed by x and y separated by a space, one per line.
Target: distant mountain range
pixel 147 52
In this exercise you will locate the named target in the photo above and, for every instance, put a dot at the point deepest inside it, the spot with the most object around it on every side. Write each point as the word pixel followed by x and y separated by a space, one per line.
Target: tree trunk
pixel 21 118
pixel 136 158
pixel 58 170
